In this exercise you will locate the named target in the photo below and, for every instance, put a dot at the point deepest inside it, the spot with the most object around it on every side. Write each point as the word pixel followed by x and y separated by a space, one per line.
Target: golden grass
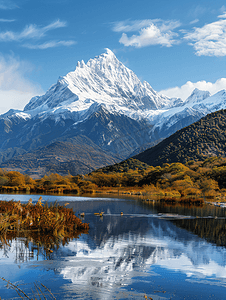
pixel 47 226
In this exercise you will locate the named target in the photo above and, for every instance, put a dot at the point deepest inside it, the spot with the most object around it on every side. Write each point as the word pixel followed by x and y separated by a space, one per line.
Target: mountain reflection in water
pixel 147 250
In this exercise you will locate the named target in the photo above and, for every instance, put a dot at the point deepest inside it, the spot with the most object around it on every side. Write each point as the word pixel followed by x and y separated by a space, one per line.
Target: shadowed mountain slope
pixel 76 156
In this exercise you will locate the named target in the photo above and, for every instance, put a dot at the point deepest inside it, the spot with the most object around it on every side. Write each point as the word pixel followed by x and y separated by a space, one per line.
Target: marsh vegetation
pixel 46 226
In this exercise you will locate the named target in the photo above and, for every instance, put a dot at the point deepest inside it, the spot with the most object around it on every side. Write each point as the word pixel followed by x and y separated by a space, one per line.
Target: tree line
pixel 193 179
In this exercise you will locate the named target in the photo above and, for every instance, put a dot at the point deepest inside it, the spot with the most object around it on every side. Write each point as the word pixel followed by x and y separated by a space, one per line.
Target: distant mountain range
pixel 102 105
pixel 80 157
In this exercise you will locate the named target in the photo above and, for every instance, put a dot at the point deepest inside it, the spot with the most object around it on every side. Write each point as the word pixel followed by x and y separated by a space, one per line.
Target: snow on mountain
pixel 197 105
pixel 103 80
pixel 78 99
pixel 197 96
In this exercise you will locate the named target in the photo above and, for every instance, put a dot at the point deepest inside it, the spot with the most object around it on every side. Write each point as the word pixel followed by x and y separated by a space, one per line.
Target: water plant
pixel 45 225
pixel 41 291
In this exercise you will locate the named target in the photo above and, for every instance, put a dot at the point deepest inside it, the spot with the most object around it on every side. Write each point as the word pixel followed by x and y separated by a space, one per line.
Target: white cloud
pixel 209 40
pixel 7 20
pixel 15 89
pixel 30 32
pixel 127 26
pixel 7 4
pixel 34 32
pixel 223 15
pixel 194 21
pixel 151 32
pixel 50 44
pixel 185 90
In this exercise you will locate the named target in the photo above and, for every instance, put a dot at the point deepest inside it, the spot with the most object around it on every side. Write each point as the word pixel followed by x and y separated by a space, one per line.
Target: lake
pixel 164 252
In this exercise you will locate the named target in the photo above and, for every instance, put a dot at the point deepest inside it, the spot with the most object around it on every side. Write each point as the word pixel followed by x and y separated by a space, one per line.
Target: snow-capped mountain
pixel 106 102
pixel 103 80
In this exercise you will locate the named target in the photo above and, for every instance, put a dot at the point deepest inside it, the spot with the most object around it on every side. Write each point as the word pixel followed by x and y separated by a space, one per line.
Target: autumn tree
pixel 15 179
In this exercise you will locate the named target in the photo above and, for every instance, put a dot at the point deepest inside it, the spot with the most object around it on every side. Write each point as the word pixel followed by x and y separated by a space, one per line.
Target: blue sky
pixel 174 45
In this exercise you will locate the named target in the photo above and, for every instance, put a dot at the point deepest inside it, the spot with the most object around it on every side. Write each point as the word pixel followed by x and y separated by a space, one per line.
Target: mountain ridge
pixel 74 156
pixel 106 102
pixel 198 141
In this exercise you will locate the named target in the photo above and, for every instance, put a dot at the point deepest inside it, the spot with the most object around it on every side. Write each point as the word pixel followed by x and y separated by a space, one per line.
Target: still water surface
pixel 160 251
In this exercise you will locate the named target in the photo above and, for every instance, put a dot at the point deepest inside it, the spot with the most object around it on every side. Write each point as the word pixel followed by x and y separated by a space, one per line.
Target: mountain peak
pixel 197 96
pixel 81 64
pixel 107 55
pixel 106 102
pixel 102 80
pixel 109 52
pixel 197 91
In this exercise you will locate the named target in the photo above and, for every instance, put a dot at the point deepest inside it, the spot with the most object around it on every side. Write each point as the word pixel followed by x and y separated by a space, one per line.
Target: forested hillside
pixel 202 139
pixel 124 166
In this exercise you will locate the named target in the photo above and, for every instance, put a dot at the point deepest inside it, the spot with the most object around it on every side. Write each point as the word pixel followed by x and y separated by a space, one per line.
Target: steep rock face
pixel 112 131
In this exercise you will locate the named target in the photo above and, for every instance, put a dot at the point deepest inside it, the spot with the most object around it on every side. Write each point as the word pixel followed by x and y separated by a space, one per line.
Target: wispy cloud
pixel 185 90
pixel 151 32
pixel 128 26
pixel 30 32
pixel 194 21
pixel 223 9
pixel 197 11
pixel 50 44
pixel 7 20
pixel 209 40
pixel 34 32
pixel 7 4
pixel 15 89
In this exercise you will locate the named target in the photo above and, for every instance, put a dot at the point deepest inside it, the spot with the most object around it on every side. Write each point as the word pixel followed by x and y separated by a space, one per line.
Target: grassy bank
pixel 191 180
